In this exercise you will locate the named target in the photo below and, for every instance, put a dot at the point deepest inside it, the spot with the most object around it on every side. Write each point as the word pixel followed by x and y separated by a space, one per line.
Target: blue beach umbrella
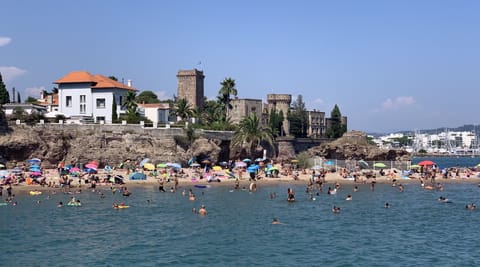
pixel 145 160
pixel 34 168
pixel 34 160
pixel 246 160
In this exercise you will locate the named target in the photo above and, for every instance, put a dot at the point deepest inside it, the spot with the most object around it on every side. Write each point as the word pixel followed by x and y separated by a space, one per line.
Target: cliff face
pixel 354 145
pixel 108 145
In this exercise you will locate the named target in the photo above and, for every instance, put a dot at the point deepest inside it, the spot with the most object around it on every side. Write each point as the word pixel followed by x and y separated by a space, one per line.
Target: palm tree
pixel 251 133
pixel 182 109
pixel 228 88
pixel 130 104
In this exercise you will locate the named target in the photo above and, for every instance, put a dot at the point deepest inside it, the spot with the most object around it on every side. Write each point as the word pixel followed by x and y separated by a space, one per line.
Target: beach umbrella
pixel 379 165
pixel 74 169
pixel 138 176
pixel 194 165
pixel 362 164
pixel 161 165
pixel 426 163
pixel 174 165
pixel 246 160
pixel 223 163
pixel 259 159
pixel 294 161
pixel 145 160
pixel 91 166
pixel 2 165
pixel 17 170
pixel 414 166
pixel 330 163
pixel 149 166
pixel 216 168
pixel 34 160
pixel 240 164
pixel 35 174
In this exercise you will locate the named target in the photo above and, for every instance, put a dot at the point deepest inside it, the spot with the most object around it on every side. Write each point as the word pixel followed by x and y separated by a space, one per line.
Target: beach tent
pixel 138 176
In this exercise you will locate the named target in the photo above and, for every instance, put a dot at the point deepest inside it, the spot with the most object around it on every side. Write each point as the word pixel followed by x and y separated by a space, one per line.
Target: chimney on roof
pixel 129 83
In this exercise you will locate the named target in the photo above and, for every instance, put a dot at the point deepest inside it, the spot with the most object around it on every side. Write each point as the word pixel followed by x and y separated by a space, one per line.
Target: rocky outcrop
pixel 108 145
pixel 354 145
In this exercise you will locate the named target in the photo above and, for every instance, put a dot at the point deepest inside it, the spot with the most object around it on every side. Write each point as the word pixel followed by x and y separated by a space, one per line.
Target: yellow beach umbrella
pixel 216 168
pixel 149 166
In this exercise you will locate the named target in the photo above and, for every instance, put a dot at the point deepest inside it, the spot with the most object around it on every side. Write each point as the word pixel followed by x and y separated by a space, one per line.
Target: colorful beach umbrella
pixel 379 165
pixel 414 166
pixel 34 160
pixel 149 166
pixel 91 166
pixel 144 161
pixel 246 160
pixel 426 163
pixel 174 165
pixel 216 168
pixel 240 164
pixel 194 165
pixel 161 165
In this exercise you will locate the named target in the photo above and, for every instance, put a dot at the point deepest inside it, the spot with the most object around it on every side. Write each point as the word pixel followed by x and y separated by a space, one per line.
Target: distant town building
pixel 157 113
pixel 50 101
pixel 190 87
pixel 83 95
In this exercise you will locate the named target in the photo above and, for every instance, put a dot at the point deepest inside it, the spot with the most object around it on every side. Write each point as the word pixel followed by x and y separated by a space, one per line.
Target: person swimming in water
pixel 336 209
pixel 349 197
pixel 290 195
pixel 202 210
pixel 387 205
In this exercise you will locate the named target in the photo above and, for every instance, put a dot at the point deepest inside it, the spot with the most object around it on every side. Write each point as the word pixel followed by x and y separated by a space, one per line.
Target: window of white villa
pixel 100 102
pixel 83 108
pixel 83 98
pixel 68 101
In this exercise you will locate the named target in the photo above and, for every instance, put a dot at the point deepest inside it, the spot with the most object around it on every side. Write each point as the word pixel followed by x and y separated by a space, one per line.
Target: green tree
pixel 114 110
pixel 19 99
pixel 31 100
pixel 275 121
pixel 147 97
pixel 337 129
pixel 113 78
pixel 252 134
pixel 4 95
pixel 298 118
pixel 130 104
pixel 227 89
pixel 183 109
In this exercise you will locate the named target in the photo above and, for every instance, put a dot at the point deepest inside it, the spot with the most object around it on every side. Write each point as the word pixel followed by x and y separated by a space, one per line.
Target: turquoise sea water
pixel 416 231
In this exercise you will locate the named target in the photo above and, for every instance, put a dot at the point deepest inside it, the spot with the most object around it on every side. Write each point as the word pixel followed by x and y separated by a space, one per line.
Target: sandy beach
pixel 190 179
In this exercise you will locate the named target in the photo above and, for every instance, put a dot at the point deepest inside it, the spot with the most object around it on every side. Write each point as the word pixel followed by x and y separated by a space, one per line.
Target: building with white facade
pixel 83 95
pixel 157 113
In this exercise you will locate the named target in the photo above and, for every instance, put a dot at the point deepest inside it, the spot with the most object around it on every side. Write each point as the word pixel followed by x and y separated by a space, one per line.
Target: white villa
pixel 83 95
pixel 157 113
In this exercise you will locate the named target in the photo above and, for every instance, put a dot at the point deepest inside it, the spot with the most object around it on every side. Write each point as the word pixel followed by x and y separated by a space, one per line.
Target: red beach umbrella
pixel 426 163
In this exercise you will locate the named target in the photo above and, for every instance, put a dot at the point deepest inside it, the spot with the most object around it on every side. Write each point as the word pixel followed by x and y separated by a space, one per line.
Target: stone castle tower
pixel 190 87
pixel 281 102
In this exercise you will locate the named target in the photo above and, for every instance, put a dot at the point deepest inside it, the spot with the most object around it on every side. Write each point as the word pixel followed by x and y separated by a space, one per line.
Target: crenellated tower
pixel 281 102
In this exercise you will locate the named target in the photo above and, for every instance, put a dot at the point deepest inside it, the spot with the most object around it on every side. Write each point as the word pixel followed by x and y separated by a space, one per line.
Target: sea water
pixel 159 229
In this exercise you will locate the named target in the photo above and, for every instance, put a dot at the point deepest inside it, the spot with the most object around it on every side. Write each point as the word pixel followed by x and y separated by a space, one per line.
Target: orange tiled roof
pixel 77 77
pixel 98 81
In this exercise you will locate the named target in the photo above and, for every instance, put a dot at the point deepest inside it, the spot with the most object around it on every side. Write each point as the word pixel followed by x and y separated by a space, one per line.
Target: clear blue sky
pixel 389 65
